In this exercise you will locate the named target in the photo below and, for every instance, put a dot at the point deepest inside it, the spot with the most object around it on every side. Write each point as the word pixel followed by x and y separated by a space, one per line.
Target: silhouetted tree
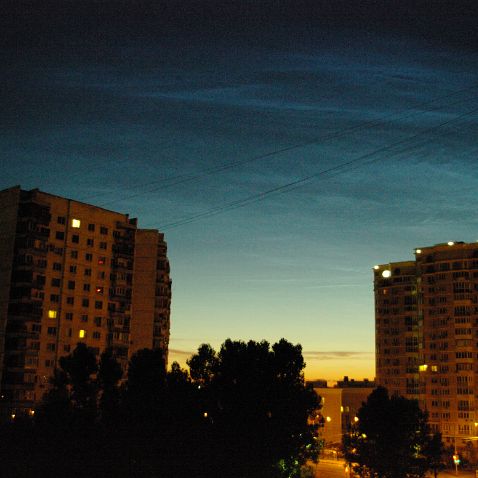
pixel 434 452
pixel 108 376
pixel 390 439
pixel 256 406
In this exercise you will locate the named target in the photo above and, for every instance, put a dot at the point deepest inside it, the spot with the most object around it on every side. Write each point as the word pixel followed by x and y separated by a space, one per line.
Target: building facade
pixel 73 272
pixel 427 335
pixel 340 405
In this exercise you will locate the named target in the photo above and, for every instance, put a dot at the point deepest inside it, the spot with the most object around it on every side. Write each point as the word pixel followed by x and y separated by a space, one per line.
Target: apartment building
pixel 73 272
pixel 427 335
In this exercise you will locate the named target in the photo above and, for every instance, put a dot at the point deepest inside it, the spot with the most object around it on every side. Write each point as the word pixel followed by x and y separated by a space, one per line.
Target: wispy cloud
pixel 337 355
pixel 183 353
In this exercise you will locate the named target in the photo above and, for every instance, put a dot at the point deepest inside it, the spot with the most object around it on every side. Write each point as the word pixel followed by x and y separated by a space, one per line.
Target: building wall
pixel 340 405
pixel 72 280
pixel 9 200
pixel 397 327
pixel 446 277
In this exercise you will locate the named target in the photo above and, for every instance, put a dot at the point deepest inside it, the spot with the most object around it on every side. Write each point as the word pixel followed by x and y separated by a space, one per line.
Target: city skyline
pixel 326 145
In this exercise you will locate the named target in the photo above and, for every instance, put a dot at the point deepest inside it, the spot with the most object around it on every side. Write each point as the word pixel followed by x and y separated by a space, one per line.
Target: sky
pixel 283 148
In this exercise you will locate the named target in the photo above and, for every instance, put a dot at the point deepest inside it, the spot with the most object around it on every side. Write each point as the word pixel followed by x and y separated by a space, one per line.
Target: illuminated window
pixel 423 368
pixel 75 223
pixel 82 334
pixel 52 314
pixel 99 290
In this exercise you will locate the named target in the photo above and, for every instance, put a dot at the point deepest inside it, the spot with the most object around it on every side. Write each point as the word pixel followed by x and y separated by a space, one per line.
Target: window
pixel 82 334
pixel 52 314
pixel 73 269
pixel 90 242
pixel 69 316
pixel 98 304
pixel 70 300
pixel 103 245
pixel 51 347
pixel 71 284
pixel 96 335
pixel 101 260
pixel 99 289
pixel 36 328
pixel 85 302
pixel 56 266
pixel 98 321
pixel 91 227
pixel 51 331
pixel 84 318
pixel 66 348
pixel 49 363
pixel 60 220
pixel 75 238
pixel 55 282
pixel 69 332
pixel 74 254
pixel 101 275
pixel 86 287
pixel 88 257
pixel 103 230
pixel 60 235
pixel 75 223
pixel 87 272
pixel 54 298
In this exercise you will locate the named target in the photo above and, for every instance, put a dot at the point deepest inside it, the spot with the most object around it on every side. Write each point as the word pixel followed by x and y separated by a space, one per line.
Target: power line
pixel 346 166
pixel 184 178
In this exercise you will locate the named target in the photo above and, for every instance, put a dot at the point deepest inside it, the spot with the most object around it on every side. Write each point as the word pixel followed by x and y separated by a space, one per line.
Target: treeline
pixel 239 412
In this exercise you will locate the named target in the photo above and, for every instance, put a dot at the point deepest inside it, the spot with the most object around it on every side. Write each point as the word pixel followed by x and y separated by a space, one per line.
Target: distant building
pixel 339 408
pixel 320 383
pixel 346 383
pixel 426 317
pixel 73 272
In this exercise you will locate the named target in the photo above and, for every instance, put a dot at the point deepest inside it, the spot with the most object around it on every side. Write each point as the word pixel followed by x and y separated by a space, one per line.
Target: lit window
pixel 423 368
pixel 75 223
pixel 82 334
pixel 52 314
pixel 386 273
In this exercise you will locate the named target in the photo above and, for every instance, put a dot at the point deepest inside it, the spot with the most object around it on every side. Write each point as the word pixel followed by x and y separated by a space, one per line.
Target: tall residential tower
pixel 427 335
pixel 72 272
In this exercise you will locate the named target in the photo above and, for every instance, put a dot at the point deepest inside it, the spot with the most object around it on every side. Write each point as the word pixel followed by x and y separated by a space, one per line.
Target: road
pixel 336 469
pixel 330 469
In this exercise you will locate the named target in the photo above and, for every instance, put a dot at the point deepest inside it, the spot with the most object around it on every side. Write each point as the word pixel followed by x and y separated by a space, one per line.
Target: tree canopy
pixel 391 438
pixel 256 401
pixel 241 412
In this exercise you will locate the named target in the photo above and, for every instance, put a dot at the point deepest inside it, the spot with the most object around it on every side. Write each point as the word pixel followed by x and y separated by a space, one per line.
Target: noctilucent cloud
pixel 281 165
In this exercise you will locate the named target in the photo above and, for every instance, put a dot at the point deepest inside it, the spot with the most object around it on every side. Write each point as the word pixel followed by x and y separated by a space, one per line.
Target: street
pixel 328 468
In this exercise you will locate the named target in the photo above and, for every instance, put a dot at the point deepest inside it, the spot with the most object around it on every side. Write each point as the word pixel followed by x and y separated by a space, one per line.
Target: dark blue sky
pixel 138 109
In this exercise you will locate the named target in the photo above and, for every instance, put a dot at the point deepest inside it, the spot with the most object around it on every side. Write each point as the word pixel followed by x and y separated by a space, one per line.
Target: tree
pixel 256 406
pixel 391 438
pixel 434 452
pixel 109 374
